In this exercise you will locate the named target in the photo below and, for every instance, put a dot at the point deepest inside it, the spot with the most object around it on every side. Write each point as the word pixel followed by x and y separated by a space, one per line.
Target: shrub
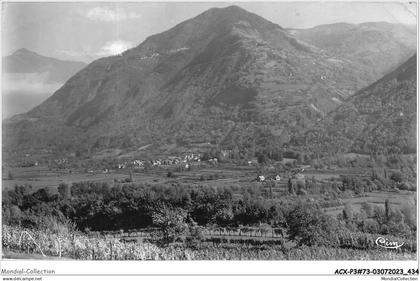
pixel 195 235
pixel 370 226
pixel 367 208
pixel 397 177
pixel 406 186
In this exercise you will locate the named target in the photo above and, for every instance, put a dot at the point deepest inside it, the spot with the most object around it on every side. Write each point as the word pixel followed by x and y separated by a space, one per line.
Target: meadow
pixel 215 176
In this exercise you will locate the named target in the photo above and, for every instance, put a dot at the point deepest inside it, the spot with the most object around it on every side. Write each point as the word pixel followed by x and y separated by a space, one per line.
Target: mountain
pixel 384 45
pixel 26 61
pixel 380 118
pixel 226 76
pixel 29 78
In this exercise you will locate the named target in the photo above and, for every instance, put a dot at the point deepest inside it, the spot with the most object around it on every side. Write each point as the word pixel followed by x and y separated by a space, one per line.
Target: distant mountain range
pixel 226 76
pixel 30 78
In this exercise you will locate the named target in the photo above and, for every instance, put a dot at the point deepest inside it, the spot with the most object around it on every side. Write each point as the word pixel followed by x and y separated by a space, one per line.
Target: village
pixel 188 167
pixel 194 161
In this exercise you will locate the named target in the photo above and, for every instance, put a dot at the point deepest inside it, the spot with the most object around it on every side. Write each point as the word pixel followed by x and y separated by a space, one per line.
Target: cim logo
pixel 385 243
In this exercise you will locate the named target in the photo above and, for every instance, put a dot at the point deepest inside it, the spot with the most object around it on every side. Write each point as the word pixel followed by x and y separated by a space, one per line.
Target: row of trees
pixel 176 209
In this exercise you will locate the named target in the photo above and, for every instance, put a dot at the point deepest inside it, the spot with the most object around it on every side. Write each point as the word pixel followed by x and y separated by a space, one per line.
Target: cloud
pixel 112 48
pixel 34 83
pixel 23 91
pixel 71 53
pixel 83 55
pixel 110 15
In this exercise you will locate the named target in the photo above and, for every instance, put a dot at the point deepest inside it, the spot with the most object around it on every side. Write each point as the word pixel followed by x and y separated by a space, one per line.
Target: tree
pixel 206 156
pixel 370 226
pixel 131 175
pixel 310 226
pixel 171 224
pixel 387 210
pixel 299 159
pixel 348 212
pixel 270 184
pixel 15 214
pixel 64 190
pixel 409 212
pixel 195 235
pixel 367 208
pixel 262 158
pixel 300 186
pixel 373 175
pixel 224 215
pixel 290 188
pixel 277 155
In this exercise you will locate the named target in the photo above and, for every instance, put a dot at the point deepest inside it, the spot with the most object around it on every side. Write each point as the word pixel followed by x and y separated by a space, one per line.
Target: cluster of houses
pixel 28 164
pixel 60 161
pixel 172 160
pixel 295 174
pixel 213 161
pixel 262 178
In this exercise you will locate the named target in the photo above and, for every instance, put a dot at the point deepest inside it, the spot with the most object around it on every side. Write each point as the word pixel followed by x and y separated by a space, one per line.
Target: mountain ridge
pixel 218 77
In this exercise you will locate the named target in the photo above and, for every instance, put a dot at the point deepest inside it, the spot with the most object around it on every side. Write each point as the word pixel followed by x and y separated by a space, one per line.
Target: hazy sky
pixel 88 30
